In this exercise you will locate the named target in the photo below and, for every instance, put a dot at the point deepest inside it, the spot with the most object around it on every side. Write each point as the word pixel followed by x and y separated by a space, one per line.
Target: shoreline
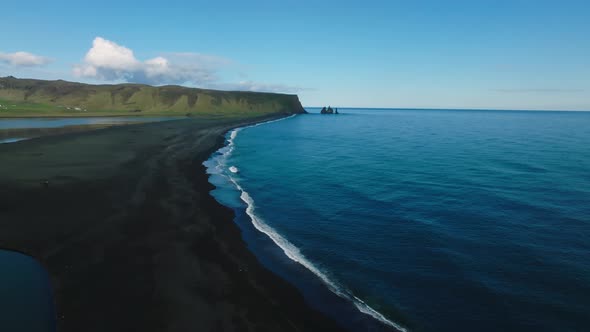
pixel 142 244
pixel 343 300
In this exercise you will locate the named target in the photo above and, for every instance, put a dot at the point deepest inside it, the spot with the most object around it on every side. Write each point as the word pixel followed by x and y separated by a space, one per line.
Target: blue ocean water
pixel 424 220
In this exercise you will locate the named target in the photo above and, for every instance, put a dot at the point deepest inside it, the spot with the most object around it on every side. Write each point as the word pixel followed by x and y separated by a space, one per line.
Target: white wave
pixel 234 133
pixel 223 154
pixel 295 254
pixel 287 247
pixel 233 169
pixel 366 309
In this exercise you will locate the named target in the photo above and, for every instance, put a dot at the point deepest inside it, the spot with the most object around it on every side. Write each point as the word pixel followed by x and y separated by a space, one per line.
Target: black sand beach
pixel 131 237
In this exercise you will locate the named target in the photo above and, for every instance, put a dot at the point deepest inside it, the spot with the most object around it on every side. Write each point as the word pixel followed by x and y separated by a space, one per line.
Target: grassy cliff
pixel 29 97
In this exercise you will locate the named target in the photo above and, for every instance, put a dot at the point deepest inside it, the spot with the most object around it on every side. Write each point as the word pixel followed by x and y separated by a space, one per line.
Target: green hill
pixel 29 97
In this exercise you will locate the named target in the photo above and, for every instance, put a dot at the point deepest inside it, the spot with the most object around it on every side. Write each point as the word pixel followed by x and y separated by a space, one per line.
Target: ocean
pixel 420 220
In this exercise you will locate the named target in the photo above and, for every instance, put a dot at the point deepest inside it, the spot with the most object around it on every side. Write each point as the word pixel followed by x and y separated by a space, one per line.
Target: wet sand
pixel 131 237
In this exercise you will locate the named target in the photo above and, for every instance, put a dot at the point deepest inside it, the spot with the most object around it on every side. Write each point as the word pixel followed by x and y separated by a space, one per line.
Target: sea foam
pixel 219 163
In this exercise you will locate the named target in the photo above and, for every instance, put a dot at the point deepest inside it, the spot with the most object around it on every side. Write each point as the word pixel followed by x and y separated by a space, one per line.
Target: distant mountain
pixel 30 97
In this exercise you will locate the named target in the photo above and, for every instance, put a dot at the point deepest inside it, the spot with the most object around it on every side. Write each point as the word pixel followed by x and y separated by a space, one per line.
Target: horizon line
pixel 297 94
pixel 451 109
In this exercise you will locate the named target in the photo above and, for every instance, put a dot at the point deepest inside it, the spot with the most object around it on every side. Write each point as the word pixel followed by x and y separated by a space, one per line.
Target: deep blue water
pixel 438 220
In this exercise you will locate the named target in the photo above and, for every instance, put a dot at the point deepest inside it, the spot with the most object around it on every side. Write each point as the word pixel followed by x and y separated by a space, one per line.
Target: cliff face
pixel 46 97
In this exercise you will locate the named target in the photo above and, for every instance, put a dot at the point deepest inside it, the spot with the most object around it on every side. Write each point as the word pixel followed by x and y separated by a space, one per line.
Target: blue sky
pixel 433 54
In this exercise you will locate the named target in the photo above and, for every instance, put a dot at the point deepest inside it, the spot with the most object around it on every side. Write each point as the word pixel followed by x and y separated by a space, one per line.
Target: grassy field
pixel 33 98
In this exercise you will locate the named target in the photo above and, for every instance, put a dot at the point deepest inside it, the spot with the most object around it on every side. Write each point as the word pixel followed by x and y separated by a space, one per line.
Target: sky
pixel 498 54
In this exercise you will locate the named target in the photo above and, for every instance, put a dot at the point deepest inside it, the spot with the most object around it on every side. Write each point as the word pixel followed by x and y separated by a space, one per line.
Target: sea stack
pixel 329 110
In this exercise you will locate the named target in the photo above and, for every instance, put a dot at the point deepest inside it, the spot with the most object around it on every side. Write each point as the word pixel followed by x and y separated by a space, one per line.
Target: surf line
pixel 290 250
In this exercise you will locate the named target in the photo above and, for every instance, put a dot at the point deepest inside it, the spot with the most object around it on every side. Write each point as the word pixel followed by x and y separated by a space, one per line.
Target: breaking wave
pixel 218 163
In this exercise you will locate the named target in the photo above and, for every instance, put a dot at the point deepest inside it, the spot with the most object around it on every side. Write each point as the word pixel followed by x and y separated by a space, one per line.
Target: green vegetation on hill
pixel 29 97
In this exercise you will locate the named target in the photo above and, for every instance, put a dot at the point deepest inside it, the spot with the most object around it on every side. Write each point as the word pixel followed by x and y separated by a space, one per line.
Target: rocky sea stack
pixel 329 110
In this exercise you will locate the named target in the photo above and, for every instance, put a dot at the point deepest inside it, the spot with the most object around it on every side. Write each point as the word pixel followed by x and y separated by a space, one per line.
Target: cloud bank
pixel 23 59
pixel 109 61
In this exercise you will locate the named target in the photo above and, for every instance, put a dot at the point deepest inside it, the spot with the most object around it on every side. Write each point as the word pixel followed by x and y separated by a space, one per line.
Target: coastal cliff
pixel 30 97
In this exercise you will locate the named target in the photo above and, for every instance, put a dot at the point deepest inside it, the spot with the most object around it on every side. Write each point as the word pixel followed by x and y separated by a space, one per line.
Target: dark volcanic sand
pixel 132 238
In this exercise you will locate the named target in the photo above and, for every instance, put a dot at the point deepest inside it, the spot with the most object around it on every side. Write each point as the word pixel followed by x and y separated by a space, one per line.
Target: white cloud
pixel 107 54
pixel 107 60
pixel 23 59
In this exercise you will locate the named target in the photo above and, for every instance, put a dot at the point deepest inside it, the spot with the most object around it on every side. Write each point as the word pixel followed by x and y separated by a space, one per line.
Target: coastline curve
pixel 218 161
